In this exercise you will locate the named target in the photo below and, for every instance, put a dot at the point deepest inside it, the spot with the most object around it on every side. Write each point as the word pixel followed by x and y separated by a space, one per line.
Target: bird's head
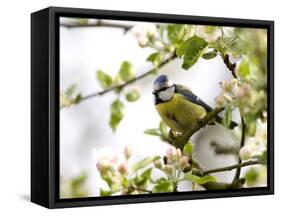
pixel 163 88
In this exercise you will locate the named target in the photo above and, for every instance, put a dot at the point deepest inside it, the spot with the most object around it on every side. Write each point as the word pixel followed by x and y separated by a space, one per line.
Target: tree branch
pixel 99 23
pixel 121 86
pixel 229 65
pixel 223 185
pixel 237 183
pixel 243 133
pixel 229 168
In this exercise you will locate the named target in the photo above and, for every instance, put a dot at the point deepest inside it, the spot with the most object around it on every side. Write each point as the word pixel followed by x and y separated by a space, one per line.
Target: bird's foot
pixel 176 139
pixel 174 134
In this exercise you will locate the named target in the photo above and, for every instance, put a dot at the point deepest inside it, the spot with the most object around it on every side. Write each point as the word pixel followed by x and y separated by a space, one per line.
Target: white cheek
pixel 167 94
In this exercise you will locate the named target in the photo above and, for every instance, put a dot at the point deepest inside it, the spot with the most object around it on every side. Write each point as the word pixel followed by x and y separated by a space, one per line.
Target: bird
pixel 179 108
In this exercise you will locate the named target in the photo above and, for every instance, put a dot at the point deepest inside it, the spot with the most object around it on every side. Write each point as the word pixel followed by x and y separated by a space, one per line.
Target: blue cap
pixel 161 81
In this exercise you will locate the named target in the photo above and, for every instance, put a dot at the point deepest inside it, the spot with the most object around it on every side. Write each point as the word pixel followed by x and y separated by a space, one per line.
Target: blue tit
pixel 178 107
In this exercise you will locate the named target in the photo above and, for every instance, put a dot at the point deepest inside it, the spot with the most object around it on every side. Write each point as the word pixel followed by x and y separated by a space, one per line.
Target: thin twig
pixel 121 86
pixel 243 133
pixel 99 23
pixel 229 65
pixel 229 168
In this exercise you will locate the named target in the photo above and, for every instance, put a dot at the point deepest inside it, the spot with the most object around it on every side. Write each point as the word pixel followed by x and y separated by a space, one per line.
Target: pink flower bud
pixel 99 166
pixel 239 93
pixel 183 162
pixel 233 82
pixel 220 100
pixel 171 152
pixel 143 41
pixel 114 160
pixel 169 160
pixel 151 30
pixel 127 152
pixel 178 153
pixel 227 97
pixel 223 84
pixel 246 152
pixel 168 168
pixel 123 168
pixel 103 166
pixel 228 85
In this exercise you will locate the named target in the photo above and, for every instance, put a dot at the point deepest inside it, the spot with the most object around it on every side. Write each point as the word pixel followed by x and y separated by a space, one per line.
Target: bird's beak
pixel 154 92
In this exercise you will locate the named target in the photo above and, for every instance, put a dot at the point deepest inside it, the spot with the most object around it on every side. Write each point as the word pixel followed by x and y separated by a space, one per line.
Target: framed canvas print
pixel 138 107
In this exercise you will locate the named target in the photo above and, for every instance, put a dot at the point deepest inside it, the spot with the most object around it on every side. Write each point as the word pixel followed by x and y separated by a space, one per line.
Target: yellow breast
pixel 180 114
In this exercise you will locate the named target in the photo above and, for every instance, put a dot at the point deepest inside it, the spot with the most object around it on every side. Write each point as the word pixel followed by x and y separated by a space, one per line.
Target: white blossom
pixel 144 32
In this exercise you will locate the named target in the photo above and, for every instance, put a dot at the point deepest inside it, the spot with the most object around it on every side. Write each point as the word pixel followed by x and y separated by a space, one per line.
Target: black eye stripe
pixel 165 88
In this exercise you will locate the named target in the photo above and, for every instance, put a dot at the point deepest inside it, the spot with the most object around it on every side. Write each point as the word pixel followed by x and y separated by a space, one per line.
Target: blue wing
pixel 192 97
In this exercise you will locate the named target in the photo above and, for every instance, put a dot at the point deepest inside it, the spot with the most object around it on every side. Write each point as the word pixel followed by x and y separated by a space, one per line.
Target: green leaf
pixel 163 128
pixel 77 99
pixel 153 131
pixel 117 114
pixel 107 179
pixel 126 71
pixel 193 43
pixel 263 158
pixel 125 182
pixel 79 180
pixel 176 32
pixel 181 49
pixel 199 180
pixel 163 187
pixel 160 180
pixel 244 68
pixel 133 95
pixel 156 59
pixel 227 116
pixel 105 192
pixel 162 29
pixel 194 48
pixel 70 90
pixel 209 55
pixel 115 187
pixel 187 149
pixel 104 79
pixel 251 176
pixel 251 128
pixel 143 163
pixel 143 179
pixel 70 97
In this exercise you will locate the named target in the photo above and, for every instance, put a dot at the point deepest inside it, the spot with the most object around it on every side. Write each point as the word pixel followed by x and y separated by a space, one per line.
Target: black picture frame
pixel 45 106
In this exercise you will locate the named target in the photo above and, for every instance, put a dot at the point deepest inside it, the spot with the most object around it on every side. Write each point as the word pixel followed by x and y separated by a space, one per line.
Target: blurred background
pixel 85 135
